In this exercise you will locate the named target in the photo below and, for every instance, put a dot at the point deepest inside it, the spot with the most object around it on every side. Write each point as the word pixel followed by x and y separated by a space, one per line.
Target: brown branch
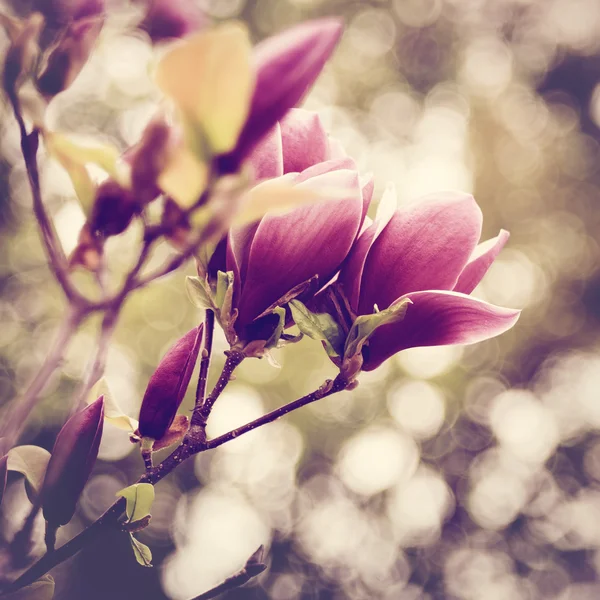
pixel 56 257
pixel 14 422
pixel 327 389
pixel 209 328
pixel 201 413
pixel 183 452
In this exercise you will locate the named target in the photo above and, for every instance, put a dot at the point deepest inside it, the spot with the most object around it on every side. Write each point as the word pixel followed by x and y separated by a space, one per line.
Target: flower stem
pixel 209 328
pixel 201 414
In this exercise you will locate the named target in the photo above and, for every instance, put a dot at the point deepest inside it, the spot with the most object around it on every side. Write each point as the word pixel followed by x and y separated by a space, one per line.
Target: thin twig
pixel 14 422
pixel 327 389
pixel 98 364
pixel 201 414
pixel 209 328
pixel 251 569
pixel 56 257
pixel 183 452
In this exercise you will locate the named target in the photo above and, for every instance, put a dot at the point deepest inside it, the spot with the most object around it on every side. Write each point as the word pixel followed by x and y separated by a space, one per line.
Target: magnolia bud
pixel 167 19
pixel 69 55
pixel 149 157
pixel 168 385
pixel 73 457
pixel 114 207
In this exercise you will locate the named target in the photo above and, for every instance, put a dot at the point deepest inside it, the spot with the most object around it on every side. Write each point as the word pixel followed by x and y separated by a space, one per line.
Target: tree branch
pixel 201 413
pixel 14 422
pixel 327 389
pixel 183 452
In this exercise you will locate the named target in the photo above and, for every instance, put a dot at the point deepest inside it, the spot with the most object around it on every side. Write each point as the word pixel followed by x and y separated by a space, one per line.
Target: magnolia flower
pixel 73 457
pixel 286 67
pixel 168 385
pixel 426 253
pixel 230 97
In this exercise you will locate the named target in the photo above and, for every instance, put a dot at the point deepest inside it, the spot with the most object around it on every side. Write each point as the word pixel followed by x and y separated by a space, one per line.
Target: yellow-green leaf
pixel 142 553
pixel 42 589
pixel 74 155
pixel 30 461
pixel 113 413
pixel 139 497
pixel 184 178
pixel 210 78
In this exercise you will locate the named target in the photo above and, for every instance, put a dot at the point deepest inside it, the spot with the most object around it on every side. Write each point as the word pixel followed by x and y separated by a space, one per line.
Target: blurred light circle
pixel 425 363
pixel 286 587
pixel 115 444
pixel 418 407
pixel 69 220
pixel 487 66
pixel 372 32
pixel 222 9
pixel 376 459
pixel 237 406
pixel 418 13
pixel 418 507
pixel 218 530
pixel 99 494
pixel 515 415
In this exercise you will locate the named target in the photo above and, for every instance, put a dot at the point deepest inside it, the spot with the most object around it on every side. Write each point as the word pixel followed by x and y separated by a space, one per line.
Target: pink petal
pixel 481 260
pixel 287 65
pixel 351 274
pixel 290 249
pixel 438 318
pixel 338 164
pixel 304 140
pixel 424 246
pixel 267 157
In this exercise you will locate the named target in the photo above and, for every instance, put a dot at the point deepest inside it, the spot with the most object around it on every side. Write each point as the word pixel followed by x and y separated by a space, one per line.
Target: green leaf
pixel 224 283
pixel 318 326
pixel 274 339
pixel 30 461
pixel 365 325
pixel 139 497
pixel 42 589
pixel 113 413
pixel 198 293
pixel 142 553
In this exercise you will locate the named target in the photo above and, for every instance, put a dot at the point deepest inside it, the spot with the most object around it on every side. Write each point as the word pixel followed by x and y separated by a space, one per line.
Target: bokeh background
pixel 450 473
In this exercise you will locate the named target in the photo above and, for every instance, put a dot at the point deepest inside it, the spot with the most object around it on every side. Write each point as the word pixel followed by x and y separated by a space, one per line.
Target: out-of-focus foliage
pixel 448 473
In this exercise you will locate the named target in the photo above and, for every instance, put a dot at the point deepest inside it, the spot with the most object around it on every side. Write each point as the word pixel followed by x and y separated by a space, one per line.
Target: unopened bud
pixel 168 19
pixel 73 457
pixel 69 55
pixel 168 385
pixel 113 209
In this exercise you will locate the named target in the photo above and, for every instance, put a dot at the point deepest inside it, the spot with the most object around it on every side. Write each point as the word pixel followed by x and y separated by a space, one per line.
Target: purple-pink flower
pixel 271 257
pixel 428 253
pixel 286 65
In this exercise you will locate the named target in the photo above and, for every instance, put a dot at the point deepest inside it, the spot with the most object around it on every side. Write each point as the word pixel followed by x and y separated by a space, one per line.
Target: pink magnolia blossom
pixel 272 256
pixel 427 252
pixel 286 65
